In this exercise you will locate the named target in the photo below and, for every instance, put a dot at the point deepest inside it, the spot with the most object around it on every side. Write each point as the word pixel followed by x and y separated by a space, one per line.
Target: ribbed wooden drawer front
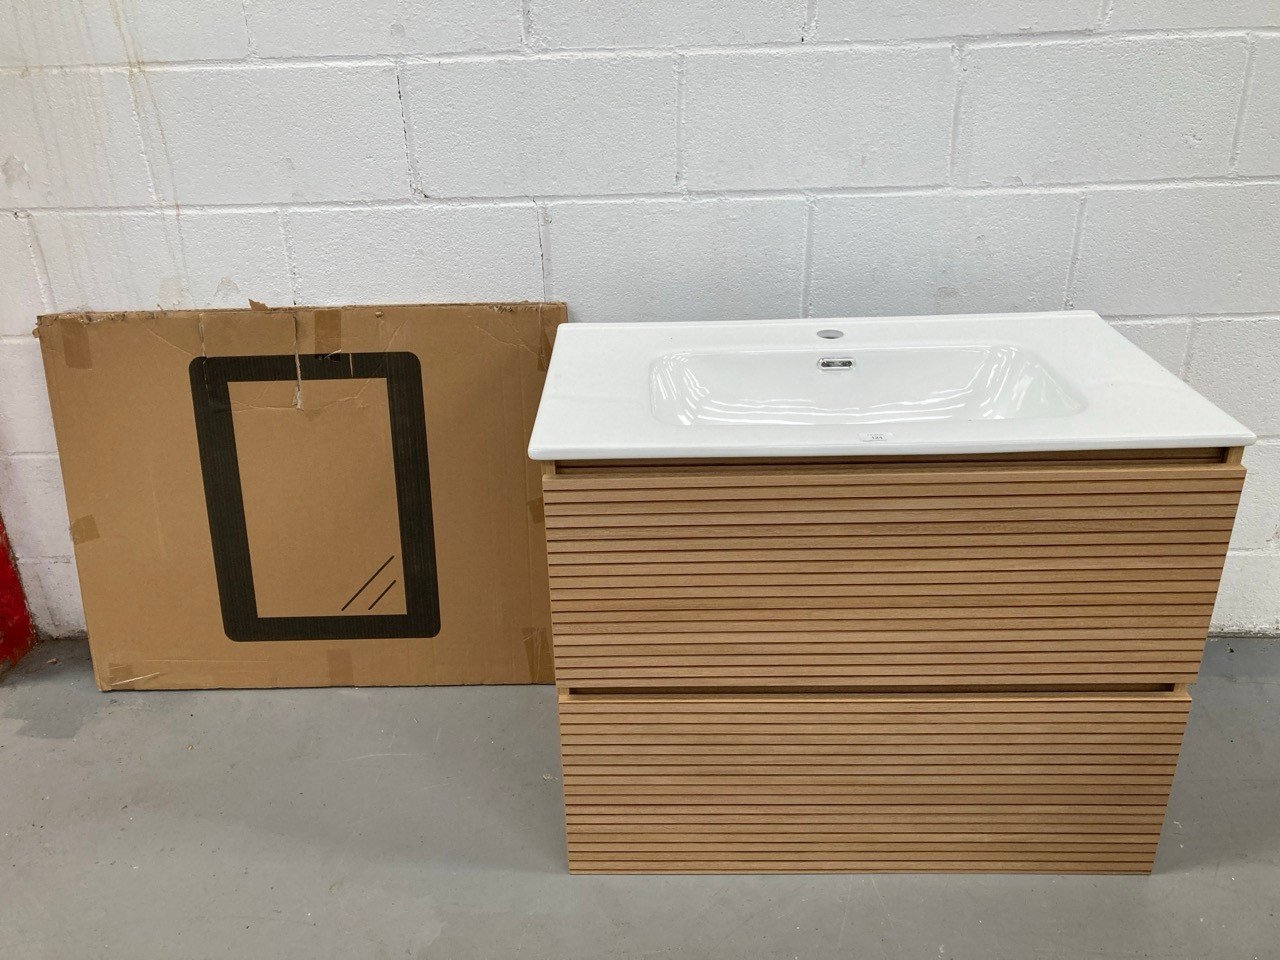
pixel 939 575
pixel 1050 783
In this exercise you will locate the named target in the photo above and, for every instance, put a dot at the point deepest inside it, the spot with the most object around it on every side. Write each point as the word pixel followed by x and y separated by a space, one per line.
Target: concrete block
pixel 141 261
pixel 417 255
pixel 1236 364
pixel 1258 521
pixel 306 28
pixel 1111 109
pixel 70 139
pixel 889 255
pixel 53 596
pixel 1260 136
pixel 26 425
pixel 22 300
pixel 1162 340
pixel 894 19
pixel 678 260
pixel 1180 251
pixel 34 507
pixel 276 134
pixel 657 23
pixel 543 126
pixel 1175 14
pixel 1247 598
pixel 138 32
pixel 817 118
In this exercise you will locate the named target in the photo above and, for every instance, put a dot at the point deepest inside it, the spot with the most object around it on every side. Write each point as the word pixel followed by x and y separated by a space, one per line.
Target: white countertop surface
pixel 881 386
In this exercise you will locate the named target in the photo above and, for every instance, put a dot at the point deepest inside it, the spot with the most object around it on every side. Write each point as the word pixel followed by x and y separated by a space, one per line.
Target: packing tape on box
pixel 328 331
pixel 121 676
pixel 75 345
pixel 535 648
pixel 544 350
pixel 84 529
pixel 342 671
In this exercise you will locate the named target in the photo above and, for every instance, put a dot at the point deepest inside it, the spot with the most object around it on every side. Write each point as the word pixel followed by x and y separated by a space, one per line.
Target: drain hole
pixel 831 334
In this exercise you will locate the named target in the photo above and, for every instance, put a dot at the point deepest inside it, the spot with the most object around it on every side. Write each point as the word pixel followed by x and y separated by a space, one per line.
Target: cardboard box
pixel 306 497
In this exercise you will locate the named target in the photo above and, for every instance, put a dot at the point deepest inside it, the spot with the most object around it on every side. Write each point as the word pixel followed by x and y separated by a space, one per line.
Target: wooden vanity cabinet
pixel 954 663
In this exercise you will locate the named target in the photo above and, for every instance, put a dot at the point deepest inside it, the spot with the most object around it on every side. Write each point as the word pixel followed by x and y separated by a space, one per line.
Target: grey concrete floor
pixel 425 823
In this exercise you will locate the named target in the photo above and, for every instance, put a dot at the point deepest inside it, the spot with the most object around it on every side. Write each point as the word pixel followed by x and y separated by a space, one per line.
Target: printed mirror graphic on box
pixel 321 525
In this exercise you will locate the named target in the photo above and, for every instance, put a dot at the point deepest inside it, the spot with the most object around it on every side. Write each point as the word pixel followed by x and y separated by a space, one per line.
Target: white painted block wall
pixel 696 159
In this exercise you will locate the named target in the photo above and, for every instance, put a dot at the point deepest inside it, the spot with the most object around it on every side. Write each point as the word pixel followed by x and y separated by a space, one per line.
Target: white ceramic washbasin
pixel 878 385
pixel 899 385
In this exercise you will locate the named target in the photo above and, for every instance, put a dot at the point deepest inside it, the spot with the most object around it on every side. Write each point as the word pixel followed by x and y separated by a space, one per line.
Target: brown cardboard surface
pixel 324 491
pixel 315 461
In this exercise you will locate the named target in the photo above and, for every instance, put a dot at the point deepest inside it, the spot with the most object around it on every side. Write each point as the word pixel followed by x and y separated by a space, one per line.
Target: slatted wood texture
pixel 803 783
pixel 1098 569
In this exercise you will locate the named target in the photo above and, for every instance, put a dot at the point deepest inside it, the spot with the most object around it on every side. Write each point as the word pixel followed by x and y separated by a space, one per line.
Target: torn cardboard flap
pixel 306 496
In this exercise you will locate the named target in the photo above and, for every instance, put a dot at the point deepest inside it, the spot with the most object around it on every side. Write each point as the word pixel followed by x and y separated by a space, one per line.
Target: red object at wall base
pixel 16 634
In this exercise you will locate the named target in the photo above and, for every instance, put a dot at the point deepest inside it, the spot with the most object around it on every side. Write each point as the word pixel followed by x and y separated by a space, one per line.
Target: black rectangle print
pixel 224 497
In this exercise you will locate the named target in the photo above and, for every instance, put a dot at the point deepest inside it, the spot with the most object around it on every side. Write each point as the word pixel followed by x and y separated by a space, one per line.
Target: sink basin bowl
pixel 877 385
pixel 863 387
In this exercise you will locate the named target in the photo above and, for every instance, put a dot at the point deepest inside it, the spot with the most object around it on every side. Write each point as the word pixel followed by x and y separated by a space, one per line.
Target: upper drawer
pixel 1015 573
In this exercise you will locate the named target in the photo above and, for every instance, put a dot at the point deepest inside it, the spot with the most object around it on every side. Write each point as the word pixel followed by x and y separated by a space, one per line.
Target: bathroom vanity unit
pixel 876 594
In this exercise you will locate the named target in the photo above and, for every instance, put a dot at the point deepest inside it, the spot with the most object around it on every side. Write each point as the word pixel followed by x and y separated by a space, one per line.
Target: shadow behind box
pixel 350 605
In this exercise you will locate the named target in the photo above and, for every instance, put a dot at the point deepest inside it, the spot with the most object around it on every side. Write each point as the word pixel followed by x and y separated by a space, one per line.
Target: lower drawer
pixel 801 783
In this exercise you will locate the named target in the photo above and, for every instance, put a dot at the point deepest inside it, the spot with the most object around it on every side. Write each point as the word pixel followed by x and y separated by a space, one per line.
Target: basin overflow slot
pixel 835 363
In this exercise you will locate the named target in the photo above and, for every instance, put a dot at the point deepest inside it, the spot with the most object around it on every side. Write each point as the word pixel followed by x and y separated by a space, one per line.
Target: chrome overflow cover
pixel 835 363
